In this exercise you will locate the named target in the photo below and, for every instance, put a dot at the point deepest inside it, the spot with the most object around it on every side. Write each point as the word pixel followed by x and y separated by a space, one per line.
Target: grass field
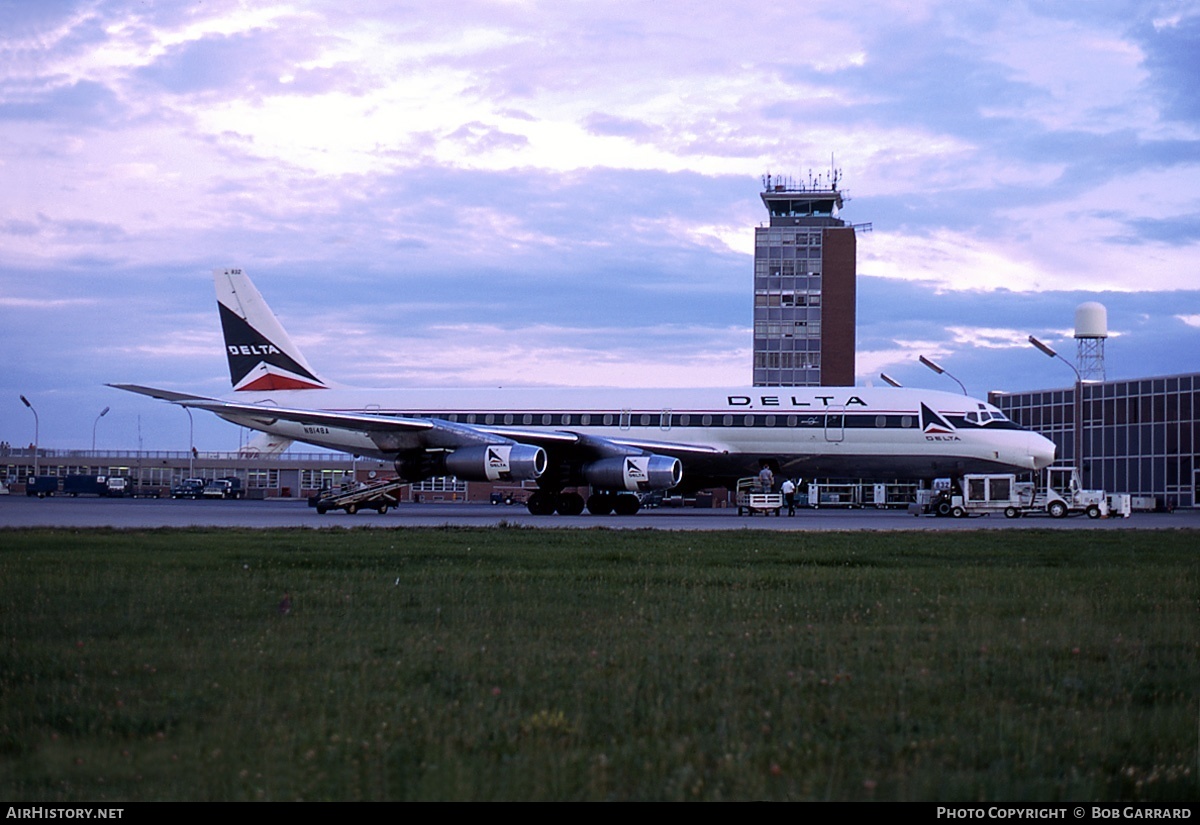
pixel 599 664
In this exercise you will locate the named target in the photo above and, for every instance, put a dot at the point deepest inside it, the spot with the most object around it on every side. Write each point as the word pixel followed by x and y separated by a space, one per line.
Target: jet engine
pixel 497 462
pixel 634 472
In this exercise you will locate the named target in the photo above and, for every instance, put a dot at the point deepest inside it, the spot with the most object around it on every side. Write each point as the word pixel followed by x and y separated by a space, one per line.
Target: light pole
pixel 887 379
pixel 36 433
pixel 103 413
pixel 1077 425
pixel 191 444
pixel 1046 348
pixel 941 371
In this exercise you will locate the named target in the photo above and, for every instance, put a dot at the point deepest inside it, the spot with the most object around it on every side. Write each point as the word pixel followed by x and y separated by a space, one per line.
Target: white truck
pixel 983 493
pixel 1062 495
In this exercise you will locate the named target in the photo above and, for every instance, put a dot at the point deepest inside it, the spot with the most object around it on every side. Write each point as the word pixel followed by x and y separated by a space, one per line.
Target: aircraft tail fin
pixel 261 354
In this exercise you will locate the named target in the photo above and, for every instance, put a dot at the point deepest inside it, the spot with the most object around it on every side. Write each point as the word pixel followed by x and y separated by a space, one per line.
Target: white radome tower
pixel 1091 328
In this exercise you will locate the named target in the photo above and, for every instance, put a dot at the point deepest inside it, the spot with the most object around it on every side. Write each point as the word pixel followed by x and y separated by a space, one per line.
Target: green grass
pixel 597 664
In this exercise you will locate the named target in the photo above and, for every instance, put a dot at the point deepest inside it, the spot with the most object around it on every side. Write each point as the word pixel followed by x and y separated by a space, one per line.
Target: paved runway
pixel 21 511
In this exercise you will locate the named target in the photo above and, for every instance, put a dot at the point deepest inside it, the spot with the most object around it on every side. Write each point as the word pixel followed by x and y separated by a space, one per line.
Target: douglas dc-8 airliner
pixel 617 442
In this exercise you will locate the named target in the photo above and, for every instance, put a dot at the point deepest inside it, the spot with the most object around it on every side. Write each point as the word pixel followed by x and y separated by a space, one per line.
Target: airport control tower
pixel 804 286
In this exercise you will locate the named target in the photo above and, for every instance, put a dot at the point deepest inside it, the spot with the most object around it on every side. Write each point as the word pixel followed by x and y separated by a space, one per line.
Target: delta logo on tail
pixel 257 364
pixel 935 427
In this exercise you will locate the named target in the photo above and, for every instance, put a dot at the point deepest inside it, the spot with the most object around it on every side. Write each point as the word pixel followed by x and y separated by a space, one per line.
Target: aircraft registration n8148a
pixel 615 442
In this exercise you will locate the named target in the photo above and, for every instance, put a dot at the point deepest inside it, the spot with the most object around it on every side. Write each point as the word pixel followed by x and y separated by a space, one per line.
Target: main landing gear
pixel 623 504
pixel 547 503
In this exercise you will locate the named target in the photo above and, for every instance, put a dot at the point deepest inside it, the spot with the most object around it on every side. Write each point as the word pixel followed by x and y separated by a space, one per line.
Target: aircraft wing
pixel 451 433
pixel 465 450
pixel 439 433
pixel 269 414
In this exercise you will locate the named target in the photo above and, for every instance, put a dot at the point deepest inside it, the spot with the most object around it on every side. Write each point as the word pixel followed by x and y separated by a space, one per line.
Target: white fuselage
pixel 719 434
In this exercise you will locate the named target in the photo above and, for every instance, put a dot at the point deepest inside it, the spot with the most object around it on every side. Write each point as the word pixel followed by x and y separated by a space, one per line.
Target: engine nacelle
pixel 634 472
pixel 497 462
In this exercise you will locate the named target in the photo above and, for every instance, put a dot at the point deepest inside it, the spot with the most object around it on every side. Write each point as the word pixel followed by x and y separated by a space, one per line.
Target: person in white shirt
pixel 788 488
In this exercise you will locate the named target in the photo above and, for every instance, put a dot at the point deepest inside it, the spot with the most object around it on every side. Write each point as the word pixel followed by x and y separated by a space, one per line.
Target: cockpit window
pixel 984 415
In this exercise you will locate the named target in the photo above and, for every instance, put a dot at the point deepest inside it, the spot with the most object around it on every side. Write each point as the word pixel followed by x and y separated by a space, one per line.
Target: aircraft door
pixel 835 424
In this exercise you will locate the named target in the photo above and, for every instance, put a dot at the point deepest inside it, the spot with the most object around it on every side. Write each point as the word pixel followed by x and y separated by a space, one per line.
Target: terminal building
pixel 1136 436
pixel 804 287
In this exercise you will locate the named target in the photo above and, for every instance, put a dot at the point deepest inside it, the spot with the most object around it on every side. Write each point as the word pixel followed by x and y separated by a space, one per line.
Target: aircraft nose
pixel 1041 451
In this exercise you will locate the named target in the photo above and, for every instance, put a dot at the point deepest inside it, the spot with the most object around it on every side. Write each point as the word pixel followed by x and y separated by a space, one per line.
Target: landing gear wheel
pixel 1057 509
pixel 570 504
pixel 541 503
pixel 626 504
pixel 600 504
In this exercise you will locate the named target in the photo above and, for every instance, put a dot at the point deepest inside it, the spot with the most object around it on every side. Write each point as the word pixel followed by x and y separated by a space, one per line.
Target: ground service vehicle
pixel 188 488
pixel 1063 495
pixel 229 487
pixel 42 486
pixel 108 486
pixel 897 494
pixel 509 496
pixel 751 498
pixel 834 494
pixel 379 496
pixel 982 493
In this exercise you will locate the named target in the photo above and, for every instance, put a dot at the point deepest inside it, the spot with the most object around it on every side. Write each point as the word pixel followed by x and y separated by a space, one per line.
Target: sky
pixel 561 193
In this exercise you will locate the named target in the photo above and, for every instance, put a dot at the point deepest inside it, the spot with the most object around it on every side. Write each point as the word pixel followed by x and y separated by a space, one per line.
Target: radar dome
pixel 1091 320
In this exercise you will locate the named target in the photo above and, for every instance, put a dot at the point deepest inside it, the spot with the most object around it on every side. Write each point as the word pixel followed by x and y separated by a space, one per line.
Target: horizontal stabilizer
pixel 162 395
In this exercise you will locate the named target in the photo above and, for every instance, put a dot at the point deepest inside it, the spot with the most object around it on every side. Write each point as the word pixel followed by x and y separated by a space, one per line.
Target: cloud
pixel 1171 45
pixel 80 104
pixel 613 126
pixel 1180 230
pixel 478 137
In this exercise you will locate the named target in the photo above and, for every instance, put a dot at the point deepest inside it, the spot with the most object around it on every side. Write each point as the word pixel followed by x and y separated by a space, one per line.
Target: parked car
pixel 188 488
pixel 229 487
